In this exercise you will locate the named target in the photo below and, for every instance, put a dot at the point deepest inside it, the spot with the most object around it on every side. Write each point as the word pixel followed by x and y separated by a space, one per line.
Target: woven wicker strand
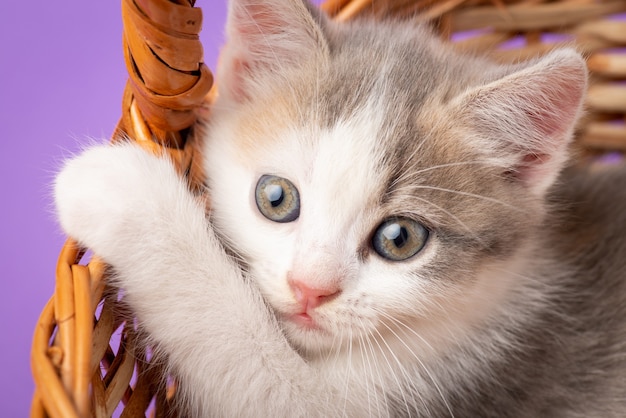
pixel 61 371
pixel 78 369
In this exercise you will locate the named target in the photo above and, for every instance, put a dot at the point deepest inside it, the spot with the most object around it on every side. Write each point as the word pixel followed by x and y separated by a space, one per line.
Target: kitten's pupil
pixel 274 194
pixel 396 233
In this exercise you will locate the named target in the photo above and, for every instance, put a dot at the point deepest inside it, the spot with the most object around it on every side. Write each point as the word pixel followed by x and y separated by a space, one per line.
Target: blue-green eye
pixel 277 199
pixel 398 239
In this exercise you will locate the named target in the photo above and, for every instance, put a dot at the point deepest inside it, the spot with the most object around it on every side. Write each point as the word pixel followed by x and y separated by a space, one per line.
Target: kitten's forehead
pixel 391 92
pixel 402 61
pixel 341 172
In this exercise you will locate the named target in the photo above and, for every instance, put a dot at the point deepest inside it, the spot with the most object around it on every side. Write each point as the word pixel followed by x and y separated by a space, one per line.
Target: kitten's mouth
pixel 303 320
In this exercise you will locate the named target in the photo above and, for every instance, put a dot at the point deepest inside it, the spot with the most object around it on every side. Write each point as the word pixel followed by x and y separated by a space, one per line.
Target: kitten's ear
pixel 267 36
pixel 528 117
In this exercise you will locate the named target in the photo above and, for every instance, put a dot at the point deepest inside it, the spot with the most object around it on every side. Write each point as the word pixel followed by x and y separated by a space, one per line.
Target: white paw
pixel 110 194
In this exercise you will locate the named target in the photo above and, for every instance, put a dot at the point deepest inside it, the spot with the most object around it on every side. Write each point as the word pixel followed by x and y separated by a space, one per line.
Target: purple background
pixel 61 80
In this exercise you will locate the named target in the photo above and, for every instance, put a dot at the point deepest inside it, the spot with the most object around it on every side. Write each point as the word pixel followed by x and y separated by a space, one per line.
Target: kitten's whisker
pixel 366 366
pixel 454 217
pixel 348 374
pixel 530 279
pixel 415 333
pixel 378 353
pixel 401 368
pixel 381 381
pixel 408 380
pixel 332 348
pixel 403 168
pixel 423 366
pixel 462 193
pixel 410 175
pixel 369 381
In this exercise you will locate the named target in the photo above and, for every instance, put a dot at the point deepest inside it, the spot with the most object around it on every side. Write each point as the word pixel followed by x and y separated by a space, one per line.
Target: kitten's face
pixel 353 174
pixel 382 191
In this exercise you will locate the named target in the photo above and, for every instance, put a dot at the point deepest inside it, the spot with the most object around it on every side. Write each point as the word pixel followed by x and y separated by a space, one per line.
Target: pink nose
pixel 311 298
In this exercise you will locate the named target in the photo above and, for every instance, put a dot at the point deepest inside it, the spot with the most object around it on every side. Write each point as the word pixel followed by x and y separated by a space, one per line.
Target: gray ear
pixel 527 118
pixel 266 36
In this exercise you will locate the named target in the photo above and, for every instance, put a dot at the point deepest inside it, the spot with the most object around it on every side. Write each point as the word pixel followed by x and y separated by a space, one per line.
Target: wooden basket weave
pixel 84 360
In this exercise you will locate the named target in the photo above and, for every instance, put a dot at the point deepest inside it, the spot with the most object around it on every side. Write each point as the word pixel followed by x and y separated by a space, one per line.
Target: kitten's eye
pixel 277 199
pixel 398 239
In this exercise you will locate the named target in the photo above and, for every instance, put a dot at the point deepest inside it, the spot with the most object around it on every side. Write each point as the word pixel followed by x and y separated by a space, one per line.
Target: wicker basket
pixel 84 360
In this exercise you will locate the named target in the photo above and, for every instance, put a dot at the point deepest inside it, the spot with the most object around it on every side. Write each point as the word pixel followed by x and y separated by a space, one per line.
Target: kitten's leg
pixel 135 212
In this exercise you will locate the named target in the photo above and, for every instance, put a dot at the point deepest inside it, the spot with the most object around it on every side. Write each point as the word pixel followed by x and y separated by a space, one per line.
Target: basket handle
pixel 168 79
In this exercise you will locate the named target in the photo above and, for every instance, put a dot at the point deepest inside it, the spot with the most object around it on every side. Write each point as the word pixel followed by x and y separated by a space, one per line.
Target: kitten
pixel 404 245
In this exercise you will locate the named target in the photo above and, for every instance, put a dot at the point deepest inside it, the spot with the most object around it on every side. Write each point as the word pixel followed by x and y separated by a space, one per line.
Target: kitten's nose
pixel 311 297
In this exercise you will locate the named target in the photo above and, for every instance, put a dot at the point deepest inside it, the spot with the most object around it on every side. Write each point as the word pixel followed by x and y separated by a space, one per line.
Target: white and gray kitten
pixel 405 245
